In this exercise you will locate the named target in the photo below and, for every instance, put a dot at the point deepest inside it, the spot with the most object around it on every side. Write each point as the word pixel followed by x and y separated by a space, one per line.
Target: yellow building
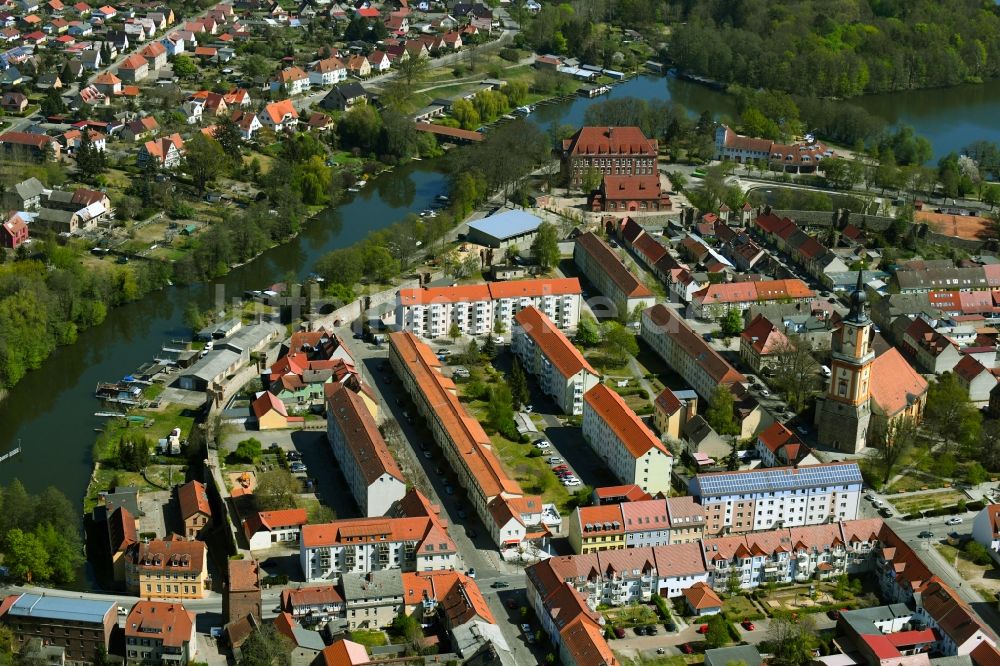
pixel 167 569
pixel 671 410
pixel 595 528
pixel 270 412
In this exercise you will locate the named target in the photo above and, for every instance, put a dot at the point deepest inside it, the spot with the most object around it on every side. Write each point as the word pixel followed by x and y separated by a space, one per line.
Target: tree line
pixel 837 50
pixel 41 535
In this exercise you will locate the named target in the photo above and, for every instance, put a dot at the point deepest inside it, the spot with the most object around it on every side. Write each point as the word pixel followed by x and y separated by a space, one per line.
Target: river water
pixel 51 410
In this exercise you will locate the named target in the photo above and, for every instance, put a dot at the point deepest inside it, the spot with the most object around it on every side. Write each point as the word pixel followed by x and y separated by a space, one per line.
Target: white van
pixel 825 370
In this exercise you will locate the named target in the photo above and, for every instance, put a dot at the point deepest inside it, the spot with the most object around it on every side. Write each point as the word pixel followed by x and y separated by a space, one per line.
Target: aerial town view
pixel 500 332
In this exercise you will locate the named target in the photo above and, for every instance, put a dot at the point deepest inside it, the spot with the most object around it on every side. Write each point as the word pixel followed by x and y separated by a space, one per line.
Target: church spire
pixel 858 314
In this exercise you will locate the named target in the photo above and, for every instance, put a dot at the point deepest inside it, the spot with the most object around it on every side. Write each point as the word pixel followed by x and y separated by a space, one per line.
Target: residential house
pixel 195 510
pixel 777 446
pixel 133 69
pixel 158 632
pixel 317 601
pixel 511 516
pixel 25 195
pixel 267 529
pixel 602 267
pixel 933 352
pixel 716 300
pixel 479 309
pixel 379 62
pixel 165 152
pixel 280 116
pixel 686 352
pixel 372 600
pixel 305 646
pixel 344 97
pixel 545 352
pixel 13 232
pixel 975 378
pixel 248 122
pixel 986 529
pixel 291 80
pixel 672 410
pixel 140 128
pixel 761 343
pixel 13 102
pixel 108 83
pixel 372 475
pixel 629 449
pixel 24 146
pixel 155 55
pixel 167 568
pixel 761 499
pixel 636 524
pixel 365 545
pixel 269 411
pixel 359 67
pixel 327 72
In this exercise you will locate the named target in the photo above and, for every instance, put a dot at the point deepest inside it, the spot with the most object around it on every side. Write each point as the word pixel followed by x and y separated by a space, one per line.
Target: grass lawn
pixel 910 482
pixel 966 568
pixel 159 422
pixel 370 638
pixel 533 474
pixel 678 660
pixel 917 503
pixel 102 480
pixel 738 608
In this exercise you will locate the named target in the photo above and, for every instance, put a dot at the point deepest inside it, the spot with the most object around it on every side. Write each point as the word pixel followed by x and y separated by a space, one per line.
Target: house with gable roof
pixel 195 510
pixel 280 116
pixel 760 342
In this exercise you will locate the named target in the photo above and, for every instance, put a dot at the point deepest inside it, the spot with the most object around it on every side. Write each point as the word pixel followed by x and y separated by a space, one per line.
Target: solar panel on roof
pixel 771 480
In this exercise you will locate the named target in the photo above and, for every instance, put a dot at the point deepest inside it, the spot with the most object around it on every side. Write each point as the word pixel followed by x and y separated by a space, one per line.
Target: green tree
pixel 718 632
pixel 890 447
pixel 266 647
pixel 256 66
pixel 489 347
pixel 619 343
pixel 454 332
pixel 590 180
pixel 545 247
pixel 588 331
pixel 720 414
pixel 133 452
pixel 185 67
pixel 950 413
pixel 275 490
pixel 466 114
pixel 795 370
pixel 792 639
pixel 90 161
pixel 25 556
pixel 52 104
pixel 247 451
pixel 518 383
pixel 193 317
pixel 976 474
pixel 500 408
pixel 62 550
pixel 732 323
pixel 228 134
pixel 204 160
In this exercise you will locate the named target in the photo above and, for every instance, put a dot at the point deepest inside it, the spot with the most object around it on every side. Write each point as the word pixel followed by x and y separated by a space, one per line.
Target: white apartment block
pixel 545 352
pixel 776 497
pixel 364 545
pixel 630 450
pixel 364 459
pixel 481 309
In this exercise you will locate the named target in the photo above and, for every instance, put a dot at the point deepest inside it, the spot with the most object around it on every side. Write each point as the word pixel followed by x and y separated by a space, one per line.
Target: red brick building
pixel 630 194
pixel 612 151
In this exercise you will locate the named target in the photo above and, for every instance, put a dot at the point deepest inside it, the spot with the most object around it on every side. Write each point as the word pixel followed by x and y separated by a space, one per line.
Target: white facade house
pixel 267 529
pixel 986 529
pixel 630 449
pixel 480 309
pixel 364 459
pixel 766 498
pixel 327 72
pixel 364 545
pixel 545 352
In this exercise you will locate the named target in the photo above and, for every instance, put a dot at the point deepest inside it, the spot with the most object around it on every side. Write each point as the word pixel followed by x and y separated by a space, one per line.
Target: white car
pixel 542 444
pixel 953 521
pixel 571 482
pixel 764 392
pixel 498 339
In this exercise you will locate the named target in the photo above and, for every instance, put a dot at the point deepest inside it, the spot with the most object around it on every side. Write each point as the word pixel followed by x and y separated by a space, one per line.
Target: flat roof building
pixel 503 230
pixel 79 626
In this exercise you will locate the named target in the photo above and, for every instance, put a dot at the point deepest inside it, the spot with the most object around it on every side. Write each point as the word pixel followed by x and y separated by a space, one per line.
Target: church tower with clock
pixel 843 414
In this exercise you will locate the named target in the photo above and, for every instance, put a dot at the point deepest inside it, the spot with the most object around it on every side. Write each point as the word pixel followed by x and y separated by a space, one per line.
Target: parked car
pixel 448 489
pixel 619 632
pixel 499 584
pixel 542 444
pixel 703 629
pixel 471 573
pixel 955 520
pixel 297 467
pixel 670 626
pixel 926 534
pixel 652 630
pixel 640 631
pixel 748 625
pixel 555 460
pixel 529 408
pixel 686 648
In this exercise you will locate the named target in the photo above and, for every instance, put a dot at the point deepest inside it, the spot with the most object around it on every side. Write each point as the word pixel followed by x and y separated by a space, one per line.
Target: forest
pixel 842 48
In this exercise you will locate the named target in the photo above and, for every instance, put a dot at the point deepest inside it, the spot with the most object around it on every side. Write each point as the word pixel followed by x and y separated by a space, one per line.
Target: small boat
pixel 361 183
pixel 353 189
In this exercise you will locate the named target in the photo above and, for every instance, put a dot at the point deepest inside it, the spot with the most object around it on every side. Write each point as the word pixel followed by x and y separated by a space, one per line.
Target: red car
pixel 560 468
pixel 748 625
pixel 703 629
pixel 686 648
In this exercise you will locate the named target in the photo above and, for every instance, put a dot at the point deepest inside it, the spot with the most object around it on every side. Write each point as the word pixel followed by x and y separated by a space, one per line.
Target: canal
pixel 51 410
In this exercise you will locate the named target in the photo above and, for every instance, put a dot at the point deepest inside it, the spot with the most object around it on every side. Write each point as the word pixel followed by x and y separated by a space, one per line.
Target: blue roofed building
pixel 78 626
pixel 777 497
pixel 503 230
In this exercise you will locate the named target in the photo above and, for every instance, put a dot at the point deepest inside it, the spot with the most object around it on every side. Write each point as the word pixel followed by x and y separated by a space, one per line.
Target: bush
pixel 510 54
pixel 661 607
pixel 977 553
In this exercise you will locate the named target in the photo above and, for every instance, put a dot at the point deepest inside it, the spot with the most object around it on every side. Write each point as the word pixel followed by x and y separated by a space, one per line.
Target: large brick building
pixel 611 151
pixel 79 626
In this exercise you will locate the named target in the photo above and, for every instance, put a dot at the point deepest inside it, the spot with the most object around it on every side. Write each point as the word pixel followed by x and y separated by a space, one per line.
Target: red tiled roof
pixel 38 141
pixel 897 382
pixel 552 342
pixel 668 322
pixel 602 255
pixel 160 620
pixel 244 575
pixel 763 336
pixel 363 440
pixel 628 427
pixel 193 499
pixel 266 403
pixel 610 141
pixel 624 188
pixel 701 596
